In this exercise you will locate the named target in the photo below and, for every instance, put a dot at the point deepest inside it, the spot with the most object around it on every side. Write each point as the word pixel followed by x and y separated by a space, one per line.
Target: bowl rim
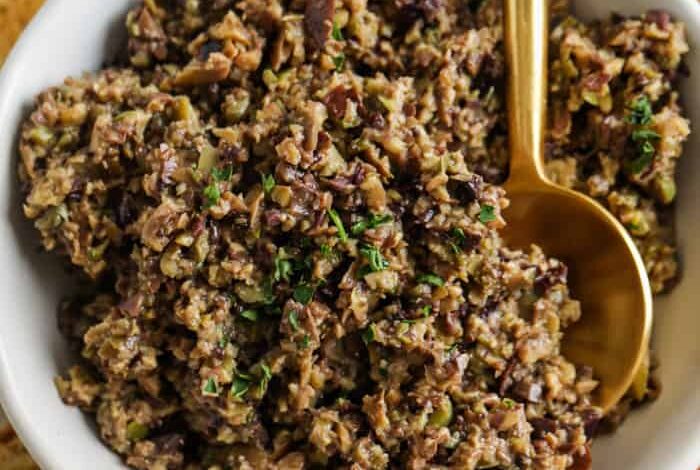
pixel 8 396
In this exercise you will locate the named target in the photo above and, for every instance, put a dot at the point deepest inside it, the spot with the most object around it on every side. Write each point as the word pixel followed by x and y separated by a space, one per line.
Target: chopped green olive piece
pixel 442 416
pixel 136 431
pixel 208 158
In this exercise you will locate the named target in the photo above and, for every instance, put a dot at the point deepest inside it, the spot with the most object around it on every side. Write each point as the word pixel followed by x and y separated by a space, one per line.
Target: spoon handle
pixel 526 41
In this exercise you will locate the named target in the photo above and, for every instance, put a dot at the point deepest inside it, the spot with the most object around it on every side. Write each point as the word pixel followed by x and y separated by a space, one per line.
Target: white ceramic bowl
pixel 69 37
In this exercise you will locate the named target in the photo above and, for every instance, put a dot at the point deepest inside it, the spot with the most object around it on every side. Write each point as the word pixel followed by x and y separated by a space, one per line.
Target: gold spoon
pixel 606 272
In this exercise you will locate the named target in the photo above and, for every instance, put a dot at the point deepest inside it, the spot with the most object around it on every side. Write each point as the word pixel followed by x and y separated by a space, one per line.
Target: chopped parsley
pixel 294 320
pixel 283 269
pixel 375 260
pixel 339 62
pixel 509 403
pixel 303 293
pixel 640 115
pixel 305 342
pixel 211 195
pixel 369 334
pixel 640 112
pixel 240 385
pixel 268 291
pixel 267 373
pixel 487 214
pixel 372 221
pixel 337 34
pixel 223 174
pixel 251 315
pixel 457 239
pixel 640 163
pixel 643 135
pixel 335 218
pixel 211 387
pixel 432 279
pixel 268 183
pixel 326 251
pixel 426 310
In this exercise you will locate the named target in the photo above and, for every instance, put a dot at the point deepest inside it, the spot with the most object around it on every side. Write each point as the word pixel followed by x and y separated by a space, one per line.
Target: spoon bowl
pixel 606 272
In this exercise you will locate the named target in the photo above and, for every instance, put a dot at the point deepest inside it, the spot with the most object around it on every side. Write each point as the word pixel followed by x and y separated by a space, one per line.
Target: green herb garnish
pixel 339 61
pixel 211 387
pixel 303 293
pixel 372 221
pixel 283 269
pixel 305 342
pixel 294 320
pixel 487 214
pixel 326 251
pixel 267 374
pixel 240 385
pixel 642 135
pixel 374 258
pixel 640 163
pixel 251 315
pixel 268 183
pixel 432 279
pixel 337 34
pixel 458 239
pixel 510 404
pixel 369 334
pixel 222 174
pixel 426 310
pixel 640 112
pixel 335 218
pixel 211 195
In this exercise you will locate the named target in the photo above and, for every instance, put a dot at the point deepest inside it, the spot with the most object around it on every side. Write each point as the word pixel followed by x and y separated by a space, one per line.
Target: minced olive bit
pixel 287 215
